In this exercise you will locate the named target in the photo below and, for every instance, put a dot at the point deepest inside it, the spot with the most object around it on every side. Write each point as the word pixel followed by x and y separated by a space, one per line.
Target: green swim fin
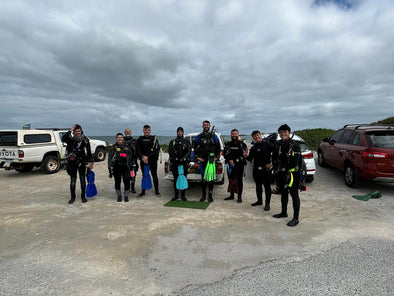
pixel 210 169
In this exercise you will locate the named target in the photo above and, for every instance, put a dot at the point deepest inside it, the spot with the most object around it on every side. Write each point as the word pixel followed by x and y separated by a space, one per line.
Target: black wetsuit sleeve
pixel 89 156
pixel 110 157
pixel 67 137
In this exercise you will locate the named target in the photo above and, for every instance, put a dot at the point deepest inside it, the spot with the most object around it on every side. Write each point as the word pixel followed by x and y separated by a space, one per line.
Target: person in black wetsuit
pixel 260 154
pixel 234 155
pixel 286 160
pixel 179 151
pixel 78 154
pixel 119 161
pixel 205 143
pixel 132 142
pixel 148 150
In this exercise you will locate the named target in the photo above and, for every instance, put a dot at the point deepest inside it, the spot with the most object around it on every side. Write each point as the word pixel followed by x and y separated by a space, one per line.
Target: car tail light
pixel 166 167
pixel 308 155
pixel 373 154
pixel 219 168
pixel 21 153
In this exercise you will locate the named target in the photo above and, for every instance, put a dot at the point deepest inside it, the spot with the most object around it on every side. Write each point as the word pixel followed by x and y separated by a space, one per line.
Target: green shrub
pixel 164 147
pixel 313 137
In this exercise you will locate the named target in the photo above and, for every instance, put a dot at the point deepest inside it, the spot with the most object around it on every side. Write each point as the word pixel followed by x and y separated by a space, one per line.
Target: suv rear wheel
pixel 51 164
pixel 320 159
pixel 351 177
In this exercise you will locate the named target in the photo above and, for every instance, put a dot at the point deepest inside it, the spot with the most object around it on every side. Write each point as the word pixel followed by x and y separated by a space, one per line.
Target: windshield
pixel 381 139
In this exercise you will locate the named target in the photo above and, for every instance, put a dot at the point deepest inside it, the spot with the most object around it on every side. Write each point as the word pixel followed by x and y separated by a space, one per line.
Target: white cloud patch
pixel 241 64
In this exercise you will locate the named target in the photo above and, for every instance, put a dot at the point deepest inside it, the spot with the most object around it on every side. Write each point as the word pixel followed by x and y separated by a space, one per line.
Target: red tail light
pixel 373 154
pixel 219 168
pixel 166 167
pixel 308 155
pixel 21 153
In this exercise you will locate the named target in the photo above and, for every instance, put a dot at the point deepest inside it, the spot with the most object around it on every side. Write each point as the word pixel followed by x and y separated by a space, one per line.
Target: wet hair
pixel 179 129
pixel 119 134
pixel 146 126
pixel 77 126
pixel 255 132
pixel 206 121
pixel 234 130
pixel 284 127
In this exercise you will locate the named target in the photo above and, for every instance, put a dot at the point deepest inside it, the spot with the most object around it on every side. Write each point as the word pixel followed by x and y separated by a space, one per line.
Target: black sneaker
pixel 229 198
pixel 239 200
pixel 267 208
pixel 174 198
pixel 126 199
pixel 210 199
pixel 141 194
pixel 280 215
pixel 293 223
pixel 257 203
pixel 119 198
pixel 202 199
pixel 71 201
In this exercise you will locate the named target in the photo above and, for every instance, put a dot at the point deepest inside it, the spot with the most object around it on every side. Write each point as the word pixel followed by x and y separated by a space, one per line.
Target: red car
pixel 361 151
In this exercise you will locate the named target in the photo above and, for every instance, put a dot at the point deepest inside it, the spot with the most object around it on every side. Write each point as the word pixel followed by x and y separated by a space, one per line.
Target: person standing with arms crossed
pixel 260 154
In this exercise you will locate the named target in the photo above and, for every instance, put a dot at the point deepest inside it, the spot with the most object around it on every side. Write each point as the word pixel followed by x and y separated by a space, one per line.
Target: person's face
pixel 77 133
pixel 179 133
pixel 146 132
pixel 284 135
pixel 206 126
pixel 119 139
pixel 257 138
pixel 127 132
pixel 234 135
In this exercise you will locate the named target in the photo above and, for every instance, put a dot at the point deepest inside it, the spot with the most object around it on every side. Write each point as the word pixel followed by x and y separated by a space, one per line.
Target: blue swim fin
pixel 146 182
pixel 181 182
pixel 91 189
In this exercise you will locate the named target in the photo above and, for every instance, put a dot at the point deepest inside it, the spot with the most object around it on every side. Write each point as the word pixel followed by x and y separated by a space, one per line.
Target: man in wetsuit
pixel 78 155
pixel 179 151
pixel 234 155
pixel 260 154
pixel 286 159
pixel 205 144
pixel 148 150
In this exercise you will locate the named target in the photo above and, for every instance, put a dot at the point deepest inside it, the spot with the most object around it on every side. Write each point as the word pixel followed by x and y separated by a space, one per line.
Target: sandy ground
pixel 103 247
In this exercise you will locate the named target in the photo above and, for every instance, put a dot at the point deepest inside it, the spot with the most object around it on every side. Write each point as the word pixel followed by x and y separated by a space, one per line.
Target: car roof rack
pixel 358 125
pixel 52 128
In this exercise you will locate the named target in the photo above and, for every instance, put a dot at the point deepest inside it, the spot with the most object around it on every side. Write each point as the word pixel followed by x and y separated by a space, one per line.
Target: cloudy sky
pixel 246 64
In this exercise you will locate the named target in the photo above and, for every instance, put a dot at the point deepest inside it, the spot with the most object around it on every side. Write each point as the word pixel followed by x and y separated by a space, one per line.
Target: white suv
pixel 23 150
pixel 193 174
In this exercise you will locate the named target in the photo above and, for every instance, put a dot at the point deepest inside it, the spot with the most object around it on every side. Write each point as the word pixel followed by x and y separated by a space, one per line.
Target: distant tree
pixel 313 137
pixel 388 120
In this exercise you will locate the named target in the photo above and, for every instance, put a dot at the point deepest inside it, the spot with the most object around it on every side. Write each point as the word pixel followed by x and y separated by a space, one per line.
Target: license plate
pixel 8 153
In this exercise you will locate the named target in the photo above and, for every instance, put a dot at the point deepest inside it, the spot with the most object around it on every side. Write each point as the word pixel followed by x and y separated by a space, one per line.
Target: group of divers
pixel 282 156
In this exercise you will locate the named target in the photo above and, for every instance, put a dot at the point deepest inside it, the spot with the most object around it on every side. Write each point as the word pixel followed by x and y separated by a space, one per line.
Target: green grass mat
pixel 188 204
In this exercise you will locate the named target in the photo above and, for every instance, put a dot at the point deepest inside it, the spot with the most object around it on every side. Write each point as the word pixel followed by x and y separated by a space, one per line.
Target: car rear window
pixel 8 139
pixel 381 139
pixel 37 138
